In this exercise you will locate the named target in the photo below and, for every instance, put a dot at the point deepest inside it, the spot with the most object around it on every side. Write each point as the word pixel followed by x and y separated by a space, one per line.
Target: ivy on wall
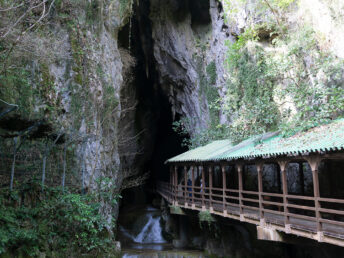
pixel 280 77
pixel 292 87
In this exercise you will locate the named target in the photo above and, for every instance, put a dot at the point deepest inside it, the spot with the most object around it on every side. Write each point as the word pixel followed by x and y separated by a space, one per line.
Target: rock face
pixel 100 71
pixel 100 67
pixel 82 66
pixel 173 51
pixel 188 36
pixel 103 82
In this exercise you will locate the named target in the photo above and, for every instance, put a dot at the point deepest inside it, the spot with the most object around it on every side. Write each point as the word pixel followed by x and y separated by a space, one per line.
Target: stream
pixel 141 236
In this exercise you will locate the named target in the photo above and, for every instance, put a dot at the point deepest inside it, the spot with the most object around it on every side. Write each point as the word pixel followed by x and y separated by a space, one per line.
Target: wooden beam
pixel 259 167
pixel 339 156
pixel 171 180
pixel 224 187
pixel 202 187
pixel 176 184
pixel 185 184
pixel 301 178
pixel 283 166
pixel 193 185
pixel 171 175
pixel 279 183
pixel 314 162
pixel 211 187
pixel 239 169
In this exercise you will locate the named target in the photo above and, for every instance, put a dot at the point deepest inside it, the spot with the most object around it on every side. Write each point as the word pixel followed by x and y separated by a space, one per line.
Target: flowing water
pixel 141 235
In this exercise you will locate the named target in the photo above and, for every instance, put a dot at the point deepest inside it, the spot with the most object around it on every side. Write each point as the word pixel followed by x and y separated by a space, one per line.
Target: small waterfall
pixel 141 234
pixel 151 232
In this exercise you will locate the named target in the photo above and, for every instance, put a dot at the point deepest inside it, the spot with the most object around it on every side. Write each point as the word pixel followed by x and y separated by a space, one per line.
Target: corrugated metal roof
pixel 319 139
pixel 206 152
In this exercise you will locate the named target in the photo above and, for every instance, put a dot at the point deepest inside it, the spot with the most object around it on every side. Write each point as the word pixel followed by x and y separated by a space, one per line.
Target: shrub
pixel 33 222
pixel 205 216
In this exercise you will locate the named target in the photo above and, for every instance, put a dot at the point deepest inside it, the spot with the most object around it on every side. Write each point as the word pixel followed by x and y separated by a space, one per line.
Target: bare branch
pixel 11 8
pixel 22 17
pixel 134 182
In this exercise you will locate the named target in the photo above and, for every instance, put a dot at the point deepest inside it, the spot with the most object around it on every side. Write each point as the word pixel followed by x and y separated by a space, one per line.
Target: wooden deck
pixel 291 214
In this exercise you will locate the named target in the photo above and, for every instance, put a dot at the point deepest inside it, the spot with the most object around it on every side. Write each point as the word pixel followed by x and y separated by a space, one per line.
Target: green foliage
pixel 234 49
pixel 249 99
pixel 15 88
pixel 205 217
pixel 282 3
pixel 81 105
pixel 209 91
pixel 110 102
pixel 291 86
pixel 214 131
pixel 260 6
pixel 92 11
pixel 295 72
pixel 176 210
pixel 312 78
pixel 211 73
pixel 20 86
pixel 125 6
pixel 33 222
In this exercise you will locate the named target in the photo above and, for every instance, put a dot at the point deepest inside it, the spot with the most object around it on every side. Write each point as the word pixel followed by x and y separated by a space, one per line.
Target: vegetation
pixel 32 221
pixel 280 78
pixel 205 217
pixel 176 210
pixel 249 100
pixel 312 77
pixel 262 83
pixel 47 58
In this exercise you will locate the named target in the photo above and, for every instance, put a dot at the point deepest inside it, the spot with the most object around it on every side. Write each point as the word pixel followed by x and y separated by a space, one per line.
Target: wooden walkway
pixel 292 214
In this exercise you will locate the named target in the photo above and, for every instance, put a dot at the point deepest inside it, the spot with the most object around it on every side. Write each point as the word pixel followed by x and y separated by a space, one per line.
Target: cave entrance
pixel 168 143
pixel 165 143
pixel 153 113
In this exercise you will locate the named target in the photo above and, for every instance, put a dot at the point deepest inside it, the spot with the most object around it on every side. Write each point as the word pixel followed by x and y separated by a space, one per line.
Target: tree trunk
pixel 15 140
pixel 44 164
pixel 64 166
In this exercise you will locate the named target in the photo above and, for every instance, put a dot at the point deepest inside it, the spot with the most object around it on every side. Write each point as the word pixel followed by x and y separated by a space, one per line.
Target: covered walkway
pixel 294 185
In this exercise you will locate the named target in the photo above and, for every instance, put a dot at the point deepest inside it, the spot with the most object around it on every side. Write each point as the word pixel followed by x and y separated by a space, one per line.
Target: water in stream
pixel 141 236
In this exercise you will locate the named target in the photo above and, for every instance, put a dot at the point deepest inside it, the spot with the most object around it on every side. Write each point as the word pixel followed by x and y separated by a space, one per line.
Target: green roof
pixel 323 138
pixel 204 153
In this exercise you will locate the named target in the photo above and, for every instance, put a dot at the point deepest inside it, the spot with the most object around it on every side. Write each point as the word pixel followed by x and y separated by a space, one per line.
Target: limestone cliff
pixel 103 77
pixel 72 74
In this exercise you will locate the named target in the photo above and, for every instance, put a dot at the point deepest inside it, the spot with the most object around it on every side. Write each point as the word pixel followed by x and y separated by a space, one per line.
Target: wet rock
pixel 117 246
pixel 177 243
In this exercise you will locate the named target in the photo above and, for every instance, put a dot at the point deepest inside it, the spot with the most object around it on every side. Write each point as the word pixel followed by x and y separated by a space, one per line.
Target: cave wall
pixel 74 77
pixel 188 36
pixel 114 85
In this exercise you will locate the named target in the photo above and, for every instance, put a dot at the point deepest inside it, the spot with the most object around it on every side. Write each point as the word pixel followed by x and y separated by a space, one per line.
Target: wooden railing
pixel 295 214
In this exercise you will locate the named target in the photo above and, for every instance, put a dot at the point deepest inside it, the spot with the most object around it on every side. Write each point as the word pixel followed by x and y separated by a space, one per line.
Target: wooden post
pixel 239 167
pixel 302 178
pixel 314 164
pixel 185 186
pixel 260 191
pixel 224 188
pixel 283 165
pixel 279 184
pixel 202 187
pixel 171 177
pixel 176 184
pixel 193 185
pixel 211 188
pixel 171 182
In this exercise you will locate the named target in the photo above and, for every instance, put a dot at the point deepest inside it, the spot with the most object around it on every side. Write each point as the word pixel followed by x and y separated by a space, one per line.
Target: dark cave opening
pixel 153 113
pixel 200 12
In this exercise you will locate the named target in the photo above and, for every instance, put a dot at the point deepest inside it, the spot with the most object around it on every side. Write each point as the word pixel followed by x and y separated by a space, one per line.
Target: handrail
pixel 295 207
